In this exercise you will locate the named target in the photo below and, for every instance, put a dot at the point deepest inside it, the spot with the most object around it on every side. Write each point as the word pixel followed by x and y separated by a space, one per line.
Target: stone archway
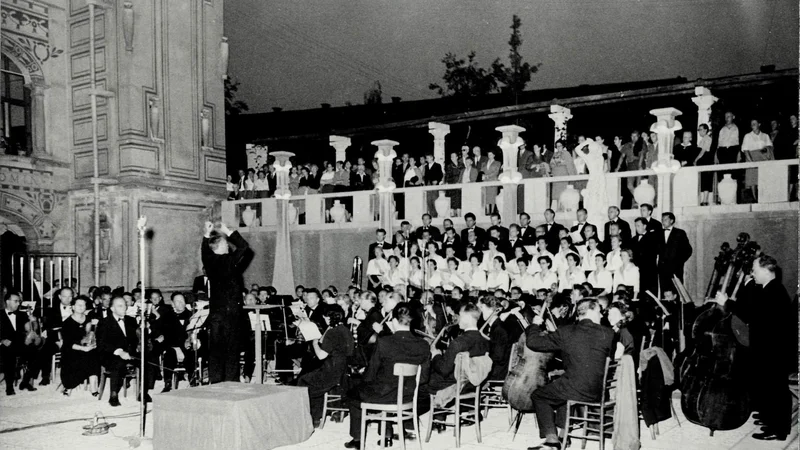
pixel 12 240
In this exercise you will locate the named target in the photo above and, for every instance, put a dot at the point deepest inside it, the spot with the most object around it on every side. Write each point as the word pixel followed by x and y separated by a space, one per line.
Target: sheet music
pixel 265 323
pixel 309 330
pixel 299 311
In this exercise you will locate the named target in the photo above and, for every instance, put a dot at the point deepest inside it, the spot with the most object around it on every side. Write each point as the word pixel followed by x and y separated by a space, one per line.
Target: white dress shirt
pixel 525 282
pixel 66 311
pixel 667 232
pixel 377 266
pixel 728 136
pixel 478 280
pixel 13 319
pixel 613 261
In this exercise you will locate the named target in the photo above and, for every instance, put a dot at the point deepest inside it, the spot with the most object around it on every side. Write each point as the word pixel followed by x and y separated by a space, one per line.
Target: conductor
pixel 223 266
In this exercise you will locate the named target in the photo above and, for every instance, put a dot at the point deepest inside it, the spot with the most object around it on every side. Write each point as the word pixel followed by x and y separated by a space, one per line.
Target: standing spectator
pixel 491 170
pixel 756 146
pixel 781 149
pixel 452 172
pixel 397 171
pixel 294 181
pixel 728 149
pixel 685 152
pixel 561 164
pixel 705 158
pixel 580 164
pixel 250 184
pixel 361 181
pixel 433 175
pixel 313 179
pixel 525 162
pixel 327 179
pixel 261 186
pixel 536 164
pixel 341 179
pixel 230 186
pixel 240 185
pixel 272 180
pixel 304 182
pixel 479 160
pixel 615 154
pixel 631 153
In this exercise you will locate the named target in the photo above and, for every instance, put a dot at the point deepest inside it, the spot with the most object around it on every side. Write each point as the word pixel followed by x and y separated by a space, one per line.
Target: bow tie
pixel 121 319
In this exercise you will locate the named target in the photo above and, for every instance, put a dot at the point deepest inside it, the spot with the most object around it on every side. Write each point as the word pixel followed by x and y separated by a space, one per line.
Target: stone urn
pixel 338 212
pixel 727 190
pixel 644 193
pixel 442 205
pixel 291 211
pixel 570 199
pixel 248 215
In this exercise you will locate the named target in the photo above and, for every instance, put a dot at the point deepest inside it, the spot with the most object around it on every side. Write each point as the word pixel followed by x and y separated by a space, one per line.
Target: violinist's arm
pixel 547 343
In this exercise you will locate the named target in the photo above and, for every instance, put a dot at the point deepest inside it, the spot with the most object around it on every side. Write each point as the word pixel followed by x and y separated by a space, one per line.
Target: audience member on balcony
pixel 479 160
pixel 272 180
pixel 304 182
pixel 615 154
pixel 685 152
pixel 452 175
pixel 413 174
pixel 341 178
pixel 261 186
pixel 240 184
pixel 294 181
pixel 361 180
pixel 794 136
pixel 525 161
pixel 650 155
pixel 250 184
pixel 491 171
pixel 327 181
pixel 705 158
pixel 230 186
pixel 469 173
pixel 728 148
pixel 433 173
pixel 561 164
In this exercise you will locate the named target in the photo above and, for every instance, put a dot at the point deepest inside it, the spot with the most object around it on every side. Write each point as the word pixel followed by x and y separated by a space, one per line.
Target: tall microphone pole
pixel 142 393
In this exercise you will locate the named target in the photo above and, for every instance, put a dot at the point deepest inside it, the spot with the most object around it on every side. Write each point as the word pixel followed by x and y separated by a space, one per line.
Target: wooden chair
pixel 400 411
pixel 597 417
pixel 459 401
pixel 492 392
pixel 132 373
pixel 333 403
pixel 179 369
pixel 795 390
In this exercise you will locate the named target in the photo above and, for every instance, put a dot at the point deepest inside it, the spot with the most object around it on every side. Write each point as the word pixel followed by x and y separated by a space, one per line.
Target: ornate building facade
pixel 158 128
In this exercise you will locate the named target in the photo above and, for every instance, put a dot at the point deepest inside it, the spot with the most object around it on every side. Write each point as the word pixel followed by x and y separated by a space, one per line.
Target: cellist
pixel 766 308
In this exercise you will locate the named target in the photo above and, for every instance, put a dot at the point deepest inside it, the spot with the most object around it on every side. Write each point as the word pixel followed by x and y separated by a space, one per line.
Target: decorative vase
pixel 127 25
pixel 570 198
pixel 442 205
pixel 248 215
pixel 644 193
pixel 155 118
pixel 338 212
pixel 292 212
pixel 727 190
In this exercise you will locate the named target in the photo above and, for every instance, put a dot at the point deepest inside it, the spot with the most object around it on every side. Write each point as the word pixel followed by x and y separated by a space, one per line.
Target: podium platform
pixel 231 416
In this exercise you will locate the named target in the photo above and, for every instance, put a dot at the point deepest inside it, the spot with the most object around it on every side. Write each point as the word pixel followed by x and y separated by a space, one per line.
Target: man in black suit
pixel 526 232
pixel 408 234
pixel 224 268
pixel 480 233
pixel 200 283
pixel 584 347
pixel 51 324
pixel 552 229
pixel 645 247
pixel 452 240
pixel 624 226
pixel 470 340
pixel 380 384
pixel 675 250
pixel 581 215
pixel 12 342
pixel 513 241
pixel 436 235
pixel 116 343
pixel 496 220
pixel 380 241
pixel 360 180
pixel 433 171
pixel 769 315
pixel 646 211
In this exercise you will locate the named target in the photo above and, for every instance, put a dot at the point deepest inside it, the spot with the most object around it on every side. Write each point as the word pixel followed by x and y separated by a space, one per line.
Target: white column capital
pixel 340 144
pixel 385 156
pixel 560 114
pixel 510 143
pixel 510 133
pixel 282 166
pixel 665 126
pixel 704 100
pixel 438 130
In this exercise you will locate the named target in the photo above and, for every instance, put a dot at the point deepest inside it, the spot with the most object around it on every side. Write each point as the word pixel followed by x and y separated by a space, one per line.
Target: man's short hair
pixel 586 305
pixel 615 208
pixel 496 215
pixel 470 309
pixel 670 215
pixel 380 230
pixel 640 220
pixel 66 288
pixel 549 210
pixel 768 262
pixel 647 206
pixel 584 210
pixel 405 222
pixel 526 215
pixel 428 215
pixel 313 291
pixel 469 215
pixel 402 314
pixel 11 293
pixel 513 225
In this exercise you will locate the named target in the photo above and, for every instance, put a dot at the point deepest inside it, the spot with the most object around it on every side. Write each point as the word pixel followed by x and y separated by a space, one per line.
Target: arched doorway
pixel 12 241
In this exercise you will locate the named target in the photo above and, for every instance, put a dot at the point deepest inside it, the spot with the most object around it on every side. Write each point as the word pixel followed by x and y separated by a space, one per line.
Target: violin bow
pixel 488 319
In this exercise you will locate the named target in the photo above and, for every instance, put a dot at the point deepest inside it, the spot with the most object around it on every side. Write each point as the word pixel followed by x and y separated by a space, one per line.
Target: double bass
pixel 713 378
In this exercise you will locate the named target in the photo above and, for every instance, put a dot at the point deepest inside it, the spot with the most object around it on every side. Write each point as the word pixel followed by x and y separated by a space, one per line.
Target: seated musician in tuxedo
pixel 176 339
pixel 379 384
pixel 470 340
pixel 500 344
pixel 52 320
pixel 12 342
pixel 584 347
pixel 116 341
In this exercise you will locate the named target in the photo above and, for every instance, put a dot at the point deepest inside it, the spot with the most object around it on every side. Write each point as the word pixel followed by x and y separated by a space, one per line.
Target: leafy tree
pixel 518 75
pixel 374 95
pixel 232 105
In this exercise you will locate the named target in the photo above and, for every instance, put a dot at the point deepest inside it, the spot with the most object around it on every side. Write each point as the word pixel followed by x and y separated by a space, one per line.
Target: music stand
pixel 258 309
pixel 283 302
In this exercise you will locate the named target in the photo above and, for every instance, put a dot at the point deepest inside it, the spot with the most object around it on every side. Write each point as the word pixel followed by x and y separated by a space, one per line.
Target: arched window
pixel 15 110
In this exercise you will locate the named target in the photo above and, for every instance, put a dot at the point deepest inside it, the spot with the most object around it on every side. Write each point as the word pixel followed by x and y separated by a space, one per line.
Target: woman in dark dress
pixel 333 349
pixel 79 358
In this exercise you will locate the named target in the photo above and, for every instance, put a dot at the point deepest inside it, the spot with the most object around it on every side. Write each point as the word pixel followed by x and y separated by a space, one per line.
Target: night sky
pixel 297 54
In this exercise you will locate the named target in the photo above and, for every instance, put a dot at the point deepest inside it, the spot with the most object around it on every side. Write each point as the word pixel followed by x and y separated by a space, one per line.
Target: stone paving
pixel 47 420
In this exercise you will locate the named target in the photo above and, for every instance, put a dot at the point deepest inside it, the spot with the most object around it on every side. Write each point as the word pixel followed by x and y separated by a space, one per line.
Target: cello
pixel 713 379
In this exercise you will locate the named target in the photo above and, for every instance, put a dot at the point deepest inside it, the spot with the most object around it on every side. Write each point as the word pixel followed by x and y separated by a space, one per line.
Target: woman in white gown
pixel 394 276
pixel 415 276
pixel 628 273
pixel 573 275
pixel 477 280
pixel 546 278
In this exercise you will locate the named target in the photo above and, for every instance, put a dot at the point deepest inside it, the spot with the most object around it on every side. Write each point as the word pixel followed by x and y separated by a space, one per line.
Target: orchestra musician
pixel 79 358
pixel 116 342
pixel 584 347
pixel 500 347
pixel 53 318
pixel 379 384
pixel 767 310
pixel 223 267
pixel 12 342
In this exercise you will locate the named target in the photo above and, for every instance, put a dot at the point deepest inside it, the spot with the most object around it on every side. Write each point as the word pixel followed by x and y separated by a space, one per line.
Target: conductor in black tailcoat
pixel 224 266
pixel 584 347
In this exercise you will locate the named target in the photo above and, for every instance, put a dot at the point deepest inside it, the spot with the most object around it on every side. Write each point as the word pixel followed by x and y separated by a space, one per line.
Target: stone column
pixel 666 166
pixel 282 275
pixel 560 116
pixel 38 132
pixel 510 143
pixel 385 156
pixel 340 143
pixel 704 100
pixel 439 131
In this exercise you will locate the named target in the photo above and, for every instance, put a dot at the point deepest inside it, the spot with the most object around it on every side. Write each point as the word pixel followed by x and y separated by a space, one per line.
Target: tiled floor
pixel 47 420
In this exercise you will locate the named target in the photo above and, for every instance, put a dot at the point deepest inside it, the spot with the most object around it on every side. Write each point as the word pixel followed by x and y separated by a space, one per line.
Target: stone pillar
pixel 560 116
pixel 38 130
pixel 283 275
pixel 439 131
pixel 385 156
pixel 704 100
pixel 666 166
pixel 510 143
pixel 340 143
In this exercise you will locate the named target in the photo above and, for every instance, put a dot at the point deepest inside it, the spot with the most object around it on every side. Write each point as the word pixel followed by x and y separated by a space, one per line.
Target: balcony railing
pixel 776 189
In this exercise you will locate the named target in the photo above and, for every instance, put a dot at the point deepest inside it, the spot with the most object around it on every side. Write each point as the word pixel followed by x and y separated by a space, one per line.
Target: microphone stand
pixel 143 386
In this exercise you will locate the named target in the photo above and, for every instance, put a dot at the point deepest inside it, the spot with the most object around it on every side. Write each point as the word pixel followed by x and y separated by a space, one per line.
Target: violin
pixel 33 333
